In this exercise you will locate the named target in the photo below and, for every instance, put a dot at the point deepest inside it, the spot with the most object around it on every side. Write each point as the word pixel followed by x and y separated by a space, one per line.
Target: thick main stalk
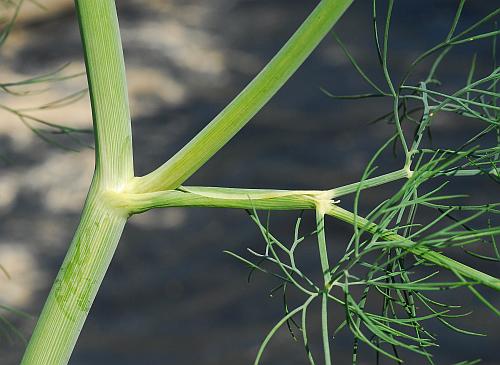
pixel 108 91
pixel 101 225
pixel 76 285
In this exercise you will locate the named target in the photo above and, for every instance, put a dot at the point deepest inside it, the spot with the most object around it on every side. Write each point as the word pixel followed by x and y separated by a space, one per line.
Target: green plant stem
pixel 404 173
pixel 324 329
pixel 323 253
pixel 76 285
pixel 283 200
pixel 423 252
pixel 235 197
pixel 221 197
pixel 472 172
pixel 101 225
pixel 325 268
pixel 239 197
pixel 239 112
pixel 108 92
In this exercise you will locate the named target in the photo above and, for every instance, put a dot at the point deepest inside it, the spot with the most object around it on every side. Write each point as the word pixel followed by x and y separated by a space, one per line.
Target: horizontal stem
pixel 214 198
pixel 370 183
pixel 263 198
pixel 283 200
pixel 241 198
pixel 239 112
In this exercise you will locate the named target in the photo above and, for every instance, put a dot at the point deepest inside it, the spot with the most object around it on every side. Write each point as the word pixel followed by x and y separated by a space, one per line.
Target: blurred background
pixel 171 296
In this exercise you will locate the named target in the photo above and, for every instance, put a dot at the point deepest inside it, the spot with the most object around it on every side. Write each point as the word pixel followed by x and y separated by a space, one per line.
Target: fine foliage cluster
pixel 382 281
pixel 46 130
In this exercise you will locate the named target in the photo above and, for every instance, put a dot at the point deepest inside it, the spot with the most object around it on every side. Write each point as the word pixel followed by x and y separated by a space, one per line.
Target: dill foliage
pixel 386 277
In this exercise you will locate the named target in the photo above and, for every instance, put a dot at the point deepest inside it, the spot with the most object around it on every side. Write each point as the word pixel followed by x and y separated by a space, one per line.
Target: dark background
pixel 171 296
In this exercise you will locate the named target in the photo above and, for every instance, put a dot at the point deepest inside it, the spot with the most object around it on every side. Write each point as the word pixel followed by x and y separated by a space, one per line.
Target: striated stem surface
pixel 76 285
